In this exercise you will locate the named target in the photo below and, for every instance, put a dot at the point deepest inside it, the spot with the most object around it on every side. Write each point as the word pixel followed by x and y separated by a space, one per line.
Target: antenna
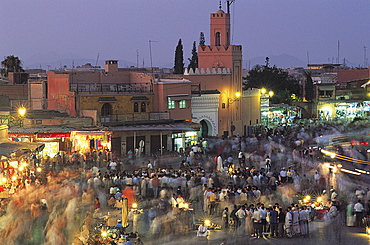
pixel 137 58
pixel 308 58
pixel 338 53
pixel 96 63
pixel 365 59
pixel 150 51
pixel 228 3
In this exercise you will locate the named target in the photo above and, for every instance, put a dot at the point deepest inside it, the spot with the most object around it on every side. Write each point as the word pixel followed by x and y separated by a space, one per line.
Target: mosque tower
pixel 220 56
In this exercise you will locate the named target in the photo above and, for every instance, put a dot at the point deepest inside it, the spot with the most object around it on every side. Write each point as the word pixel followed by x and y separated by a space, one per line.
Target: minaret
pixel 220 54
pixel 220 29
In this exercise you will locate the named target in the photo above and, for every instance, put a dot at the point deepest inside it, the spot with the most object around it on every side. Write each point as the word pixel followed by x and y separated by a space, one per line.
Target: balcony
pixel 133 117
pixel 111 88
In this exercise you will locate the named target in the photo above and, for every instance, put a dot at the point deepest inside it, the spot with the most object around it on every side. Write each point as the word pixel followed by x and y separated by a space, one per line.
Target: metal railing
pixel 130 117
pixel 112 88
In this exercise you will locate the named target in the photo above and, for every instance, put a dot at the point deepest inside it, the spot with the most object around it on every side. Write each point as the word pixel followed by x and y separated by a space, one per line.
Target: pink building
pixel 220 68
pixel 173 96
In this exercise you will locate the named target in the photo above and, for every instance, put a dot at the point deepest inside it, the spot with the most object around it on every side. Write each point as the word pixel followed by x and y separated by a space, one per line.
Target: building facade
pixel 220 68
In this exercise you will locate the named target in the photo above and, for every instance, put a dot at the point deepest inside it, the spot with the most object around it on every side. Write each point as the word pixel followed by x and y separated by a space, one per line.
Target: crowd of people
pixel 254 186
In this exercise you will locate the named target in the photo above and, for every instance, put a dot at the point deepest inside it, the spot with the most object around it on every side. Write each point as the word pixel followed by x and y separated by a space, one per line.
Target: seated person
pixel 119 226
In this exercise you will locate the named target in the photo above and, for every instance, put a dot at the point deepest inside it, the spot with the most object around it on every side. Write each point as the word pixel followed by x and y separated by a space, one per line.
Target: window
pixel 136 107
pixel 171 103
pixel 223 105
pixel 182 104
pixel 106 109
pixel 143 107
pixel 218 39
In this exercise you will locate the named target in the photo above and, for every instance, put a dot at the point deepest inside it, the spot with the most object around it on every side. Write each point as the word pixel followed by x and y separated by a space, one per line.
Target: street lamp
pixel 21 113
pixel 237 96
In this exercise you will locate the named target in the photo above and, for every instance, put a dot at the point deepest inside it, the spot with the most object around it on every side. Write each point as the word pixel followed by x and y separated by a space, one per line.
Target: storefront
pixel 53 142
pixel 343 110
pixel 155 138
pixel 85 141
pixel 280 114
pixel 350 110
pixel 183 140
pixel 63 141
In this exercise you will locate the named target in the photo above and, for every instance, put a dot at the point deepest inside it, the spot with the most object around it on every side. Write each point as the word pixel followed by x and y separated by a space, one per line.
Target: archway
pixel 205 128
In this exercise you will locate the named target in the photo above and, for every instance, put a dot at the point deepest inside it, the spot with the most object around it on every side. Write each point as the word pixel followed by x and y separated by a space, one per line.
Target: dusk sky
pixel 42 31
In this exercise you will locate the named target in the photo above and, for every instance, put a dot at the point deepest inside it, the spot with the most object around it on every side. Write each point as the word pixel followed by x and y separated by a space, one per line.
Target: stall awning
pixel 8 147
pixel 139 98
pixel 107 99
pixel 178 98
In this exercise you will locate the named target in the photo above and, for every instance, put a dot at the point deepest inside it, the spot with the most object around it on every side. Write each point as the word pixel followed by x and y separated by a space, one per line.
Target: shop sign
pixel 53 135
pixel 21 135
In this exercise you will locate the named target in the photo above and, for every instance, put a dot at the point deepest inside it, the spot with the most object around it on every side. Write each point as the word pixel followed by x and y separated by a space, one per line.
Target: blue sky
pixel 42 30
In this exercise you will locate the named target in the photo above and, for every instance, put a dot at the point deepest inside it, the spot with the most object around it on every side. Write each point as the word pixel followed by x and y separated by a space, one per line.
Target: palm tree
pixel 11 64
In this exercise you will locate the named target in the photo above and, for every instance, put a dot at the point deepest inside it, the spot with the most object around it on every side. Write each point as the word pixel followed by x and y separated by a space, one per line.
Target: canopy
pixel 8 147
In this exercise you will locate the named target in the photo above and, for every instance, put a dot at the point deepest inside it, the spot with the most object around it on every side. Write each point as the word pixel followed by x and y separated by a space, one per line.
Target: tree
pixel 273 79
pixel 309 88
pixel 202 40
pixel 193 62
pixel 11 64
pixel 179 59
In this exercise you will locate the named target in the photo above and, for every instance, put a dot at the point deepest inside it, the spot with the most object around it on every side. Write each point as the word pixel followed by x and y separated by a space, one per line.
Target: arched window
pixel 136 107
pixel 218 39
pixel 143 107
pixel 106 109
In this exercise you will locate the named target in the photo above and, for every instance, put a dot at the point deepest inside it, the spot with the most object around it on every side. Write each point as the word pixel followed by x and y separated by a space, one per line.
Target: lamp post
pixel 233 111
pixel 265 103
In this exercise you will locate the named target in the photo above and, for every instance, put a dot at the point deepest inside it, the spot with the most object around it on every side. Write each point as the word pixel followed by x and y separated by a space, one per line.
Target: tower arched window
pixel 218 39
pixel 143 107
pixel 106 109
pixel 136 107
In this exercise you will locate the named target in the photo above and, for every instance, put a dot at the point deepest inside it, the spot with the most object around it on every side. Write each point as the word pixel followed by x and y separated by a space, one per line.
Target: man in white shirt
pixel 113 165
pixel 241 219
pixel 257 225
pixel 303 221
pixel 202 231
pixel 289 223
pixel 358 209
pixel 283 175
pixel 195 149
pixel 359 193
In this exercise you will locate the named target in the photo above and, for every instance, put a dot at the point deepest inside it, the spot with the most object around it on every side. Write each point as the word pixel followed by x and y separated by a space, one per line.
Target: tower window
pixel 218 39
pixel 136 107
